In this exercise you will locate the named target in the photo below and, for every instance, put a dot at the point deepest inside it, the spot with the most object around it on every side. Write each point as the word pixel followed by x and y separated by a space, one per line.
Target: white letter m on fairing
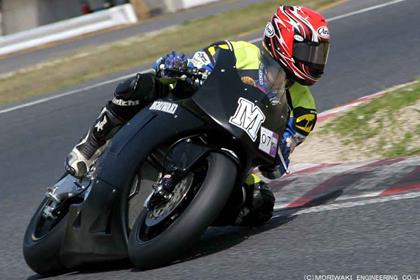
pixel 248 117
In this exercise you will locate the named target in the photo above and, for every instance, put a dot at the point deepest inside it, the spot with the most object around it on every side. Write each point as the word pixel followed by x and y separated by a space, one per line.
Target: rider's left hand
pixel 281 164
pixel 289 140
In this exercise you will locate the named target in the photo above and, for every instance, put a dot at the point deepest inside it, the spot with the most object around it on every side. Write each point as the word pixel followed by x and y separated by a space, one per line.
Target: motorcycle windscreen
pixel 271 78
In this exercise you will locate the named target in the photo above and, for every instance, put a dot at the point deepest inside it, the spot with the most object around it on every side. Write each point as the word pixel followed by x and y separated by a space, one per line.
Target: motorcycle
pixel 125 207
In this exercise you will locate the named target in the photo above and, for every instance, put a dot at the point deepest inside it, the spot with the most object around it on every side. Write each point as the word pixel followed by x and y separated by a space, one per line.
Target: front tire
pixel 42 243
pixel 192 220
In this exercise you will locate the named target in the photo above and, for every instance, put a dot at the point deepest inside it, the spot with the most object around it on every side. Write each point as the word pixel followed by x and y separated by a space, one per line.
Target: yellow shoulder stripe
pixel 301 97
pixel 247 55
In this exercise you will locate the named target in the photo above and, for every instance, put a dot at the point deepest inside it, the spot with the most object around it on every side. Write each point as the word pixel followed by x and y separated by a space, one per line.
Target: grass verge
pixel 111 58
pixel 386 127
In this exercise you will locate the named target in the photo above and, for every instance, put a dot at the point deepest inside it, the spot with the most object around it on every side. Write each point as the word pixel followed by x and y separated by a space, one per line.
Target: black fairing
pixel 218 99
pixel 96 228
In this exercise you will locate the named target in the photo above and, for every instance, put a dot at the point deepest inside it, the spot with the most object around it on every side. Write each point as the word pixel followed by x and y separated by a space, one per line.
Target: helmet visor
pixel 313 54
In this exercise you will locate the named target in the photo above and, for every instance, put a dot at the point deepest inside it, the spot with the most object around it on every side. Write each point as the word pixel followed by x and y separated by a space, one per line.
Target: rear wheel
pixel 162 233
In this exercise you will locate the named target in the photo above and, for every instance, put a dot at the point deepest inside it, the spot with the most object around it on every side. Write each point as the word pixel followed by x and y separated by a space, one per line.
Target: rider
pixel 296 38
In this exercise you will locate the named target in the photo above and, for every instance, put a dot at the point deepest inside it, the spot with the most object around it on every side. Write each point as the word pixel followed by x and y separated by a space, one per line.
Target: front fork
pixel 69 187
pixel 179 160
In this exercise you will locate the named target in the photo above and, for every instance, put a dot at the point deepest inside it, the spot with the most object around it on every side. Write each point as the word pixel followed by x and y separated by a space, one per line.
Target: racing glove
pixel 177 66
pixel 289 140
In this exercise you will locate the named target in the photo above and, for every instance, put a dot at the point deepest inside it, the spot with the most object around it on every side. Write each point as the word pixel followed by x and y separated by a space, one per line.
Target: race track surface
pixel 365 215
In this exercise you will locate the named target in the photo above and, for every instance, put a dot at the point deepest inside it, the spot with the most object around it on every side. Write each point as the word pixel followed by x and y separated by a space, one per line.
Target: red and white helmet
pixel 298 38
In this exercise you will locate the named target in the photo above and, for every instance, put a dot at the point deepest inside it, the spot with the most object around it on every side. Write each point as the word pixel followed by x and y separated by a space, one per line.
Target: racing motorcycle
pixel 125 207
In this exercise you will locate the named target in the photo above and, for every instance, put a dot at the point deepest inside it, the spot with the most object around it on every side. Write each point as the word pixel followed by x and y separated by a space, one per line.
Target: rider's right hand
pixel 177 66
pixel 170 66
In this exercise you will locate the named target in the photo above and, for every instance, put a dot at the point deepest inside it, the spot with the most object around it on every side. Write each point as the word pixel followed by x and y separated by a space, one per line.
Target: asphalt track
pixel 358 234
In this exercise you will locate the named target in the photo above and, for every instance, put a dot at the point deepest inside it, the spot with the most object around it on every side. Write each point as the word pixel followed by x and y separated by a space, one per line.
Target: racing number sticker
pixel 268 141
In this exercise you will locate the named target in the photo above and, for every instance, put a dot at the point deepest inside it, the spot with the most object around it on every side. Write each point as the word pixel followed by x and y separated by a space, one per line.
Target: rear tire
pixel 187 227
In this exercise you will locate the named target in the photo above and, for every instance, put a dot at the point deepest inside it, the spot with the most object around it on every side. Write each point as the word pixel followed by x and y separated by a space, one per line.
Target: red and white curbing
pixel 333 112
pixel 352 181
pixel 301 168
pixel 289 196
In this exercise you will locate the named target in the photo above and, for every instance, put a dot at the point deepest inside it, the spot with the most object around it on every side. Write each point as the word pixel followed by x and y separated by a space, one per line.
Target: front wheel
pixel 162 233
pixel 42 241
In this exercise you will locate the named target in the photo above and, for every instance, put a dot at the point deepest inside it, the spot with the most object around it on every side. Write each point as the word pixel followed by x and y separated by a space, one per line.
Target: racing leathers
pixel 168 77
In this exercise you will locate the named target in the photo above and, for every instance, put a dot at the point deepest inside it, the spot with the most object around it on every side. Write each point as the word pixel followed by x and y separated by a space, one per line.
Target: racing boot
pixel 258 203
pixel 84 154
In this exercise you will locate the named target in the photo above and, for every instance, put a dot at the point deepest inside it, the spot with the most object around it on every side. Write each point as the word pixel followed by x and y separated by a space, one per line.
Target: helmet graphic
pixel 298 38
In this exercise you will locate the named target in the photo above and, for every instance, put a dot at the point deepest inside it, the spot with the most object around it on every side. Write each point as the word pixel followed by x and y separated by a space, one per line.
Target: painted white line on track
pixel 365 10
pixel 365 195
pixel 352 13
pixel 46 99
pixel 351 204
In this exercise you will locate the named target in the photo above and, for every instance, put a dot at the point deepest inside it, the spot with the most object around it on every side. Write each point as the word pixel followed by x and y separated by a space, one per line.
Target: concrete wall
pixel 156 6
pixel 68 28
pixel 55 10
pixel 175 5
pixel 103 4
pixel 19 15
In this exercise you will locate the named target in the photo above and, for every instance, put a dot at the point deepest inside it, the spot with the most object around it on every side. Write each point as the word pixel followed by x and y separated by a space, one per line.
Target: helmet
pixel 298 38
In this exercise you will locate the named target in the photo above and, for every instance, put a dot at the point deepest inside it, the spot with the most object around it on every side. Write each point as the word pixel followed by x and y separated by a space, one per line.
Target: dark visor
pixel 315 54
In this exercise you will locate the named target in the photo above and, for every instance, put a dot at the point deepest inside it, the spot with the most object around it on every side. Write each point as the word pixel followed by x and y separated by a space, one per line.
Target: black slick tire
pixel 43 255
pixel 188 227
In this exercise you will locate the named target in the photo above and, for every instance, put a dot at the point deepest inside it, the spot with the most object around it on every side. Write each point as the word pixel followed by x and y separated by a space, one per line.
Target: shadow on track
pixel 93 268
pixel 217 239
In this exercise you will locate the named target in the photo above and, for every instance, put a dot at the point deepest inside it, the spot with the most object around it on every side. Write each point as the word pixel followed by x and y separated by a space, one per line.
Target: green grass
pixel 388 126
pixel 90 63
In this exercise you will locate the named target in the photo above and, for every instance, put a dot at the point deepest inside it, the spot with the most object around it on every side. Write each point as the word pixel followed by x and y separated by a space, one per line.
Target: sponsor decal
pixel 323 32
pixel 261 75
pixel 268 141
pixel 200 59
pixel 100 125
pixel 121 102
pixel 164 106
pixel 248 117
pixel 269 30
pixel 248 80
pixel 306 122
